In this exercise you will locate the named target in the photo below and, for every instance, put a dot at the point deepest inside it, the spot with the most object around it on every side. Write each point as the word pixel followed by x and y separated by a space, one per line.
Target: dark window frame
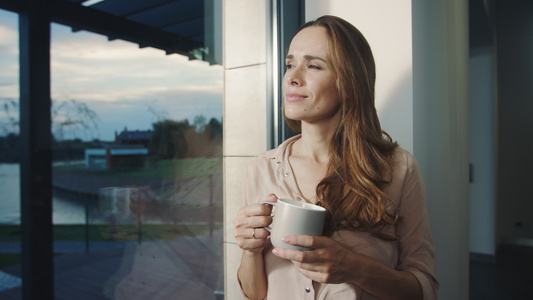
pixel 286 18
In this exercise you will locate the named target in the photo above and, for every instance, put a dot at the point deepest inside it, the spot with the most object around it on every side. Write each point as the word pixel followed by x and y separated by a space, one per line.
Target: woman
pixel 377 242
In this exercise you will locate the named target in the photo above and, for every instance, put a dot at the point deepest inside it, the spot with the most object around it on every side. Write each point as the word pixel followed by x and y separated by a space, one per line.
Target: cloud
pixel 125 85
pixel 9 64
pixel 9 33
pixel 86 66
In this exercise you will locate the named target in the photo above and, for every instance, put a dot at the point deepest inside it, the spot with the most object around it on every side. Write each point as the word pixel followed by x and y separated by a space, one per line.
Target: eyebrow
pixel 307 57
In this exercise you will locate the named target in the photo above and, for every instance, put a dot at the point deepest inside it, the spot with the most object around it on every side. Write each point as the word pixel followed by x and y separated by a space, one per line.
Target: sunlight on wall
pixel 387 27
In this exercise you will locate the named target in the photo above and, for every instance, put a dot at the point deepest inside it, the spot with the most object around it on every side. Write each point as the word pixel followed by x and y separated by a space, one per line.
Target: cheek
pixel 329 93
pixel 330 100
pixel 283 84
pixel 333 90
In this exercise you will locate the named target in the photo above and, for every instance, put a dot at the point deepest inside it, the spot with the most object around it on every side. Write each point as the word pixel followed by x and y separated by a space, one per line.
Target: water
pixel 67 208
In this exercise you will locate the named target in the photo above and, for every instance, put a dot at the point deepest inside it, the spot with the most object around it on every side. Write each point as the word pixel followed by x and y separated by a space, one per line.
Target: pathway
pixel 183 268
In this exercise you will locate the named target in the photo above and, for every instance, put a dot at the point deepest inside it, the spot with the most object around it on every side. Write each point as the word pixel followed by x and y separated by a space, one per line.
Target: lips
pixel 293 97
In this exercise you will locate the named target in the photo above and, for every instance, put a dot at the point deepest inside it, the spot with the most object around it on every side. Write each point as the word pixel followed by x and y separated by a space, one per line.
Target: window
pixel 10 257
pixel 136 151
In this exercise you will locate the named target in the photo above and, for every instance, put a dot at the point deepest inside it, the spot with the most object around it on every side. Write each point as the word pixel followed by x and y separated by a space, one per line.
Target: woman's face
pixel 309 81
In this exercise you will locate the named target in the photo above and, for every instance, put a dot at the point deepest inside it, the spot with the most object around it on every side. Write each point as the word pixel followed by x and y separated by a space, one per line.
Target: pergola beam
pixel 86 18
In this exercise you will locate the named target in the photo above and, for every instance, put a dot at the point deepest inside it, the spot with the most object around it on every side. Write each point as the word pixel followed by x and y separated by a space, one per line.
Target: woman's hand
pixel 323 264
pixel 333 262
pixel 249 226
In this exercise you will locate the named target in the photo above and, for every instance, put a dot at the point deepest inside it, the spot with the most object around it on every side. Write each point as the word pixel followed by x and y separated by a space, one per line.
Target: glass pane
pixel 137 170
pixel 10 269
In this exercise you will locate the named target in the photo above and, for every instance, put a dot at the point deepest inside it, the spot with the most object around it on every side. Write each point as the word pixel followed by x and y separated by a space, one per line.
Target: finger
pixel 257 221
pixel 271 198
pixel 308 241
pixel 257 209
pixel 258 233
pixel 245 221
pixel 261 233
pixel 313 275
pixel 294 255
pixel 309 267
pixel 310 261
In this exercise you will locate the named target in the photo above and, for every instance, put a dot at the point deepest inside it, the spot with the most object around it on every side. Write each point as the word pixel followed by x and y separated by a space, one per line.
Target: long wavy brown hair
pixel 360 152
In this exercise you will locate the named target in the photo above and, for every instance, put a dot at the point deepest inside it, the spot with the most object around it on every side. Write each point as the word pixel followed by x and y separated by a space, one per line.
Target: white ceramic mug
pixel 293 217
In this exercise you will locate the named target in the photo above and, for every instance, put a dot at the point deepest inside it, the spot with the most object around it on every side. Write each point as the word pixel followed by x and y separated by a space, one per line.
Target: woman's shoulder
pixel 262 159
pixel 402 157
pixel 272 157
pixel 404 164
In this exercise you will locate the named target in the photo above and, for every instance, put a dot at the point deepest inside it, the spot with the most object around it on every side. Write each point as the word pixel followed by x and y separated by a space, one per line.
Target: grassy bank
pixel 174 169
pixel 97 233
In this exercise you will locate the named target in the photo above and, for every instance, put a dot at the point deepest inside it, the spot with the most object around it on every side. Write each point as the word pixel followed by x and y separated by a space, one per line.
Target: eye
pixel 314 67
pixel 289 66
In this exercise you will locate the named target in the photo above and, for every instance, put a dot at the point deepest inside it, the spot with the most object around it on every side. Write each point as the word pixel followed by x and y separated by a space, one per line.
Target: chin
pixel 294 114
pixel 293 117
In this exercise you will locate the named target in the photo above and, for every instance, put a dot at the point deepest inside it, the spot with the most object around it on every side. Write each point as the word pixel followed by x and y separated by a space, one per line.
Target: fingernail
pixel 275 251
pixel 285 239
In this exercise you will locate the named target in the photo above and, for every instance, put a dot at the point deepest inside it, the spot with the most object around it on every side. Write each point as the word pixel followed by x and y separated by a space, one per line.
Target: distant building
pixel 128 152
pixel 136 137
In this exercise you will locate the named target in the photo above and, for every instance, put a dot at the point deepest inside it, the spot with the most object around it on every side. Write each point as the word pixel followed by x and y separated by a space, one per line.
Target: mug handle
pixel 269 229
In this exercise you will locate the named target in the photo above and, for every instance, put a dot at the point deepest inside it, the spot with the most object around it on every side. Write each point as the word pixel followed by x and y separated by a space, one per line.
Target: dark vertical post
pixel 140 207
pixel 291 15
pixel 211 205
pixel 36 156
pixel 87 228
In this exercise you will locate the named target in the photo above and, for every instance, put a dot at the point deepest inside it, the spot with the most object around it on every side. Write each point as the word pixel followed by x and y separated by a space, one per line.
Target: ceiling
pixel 185 27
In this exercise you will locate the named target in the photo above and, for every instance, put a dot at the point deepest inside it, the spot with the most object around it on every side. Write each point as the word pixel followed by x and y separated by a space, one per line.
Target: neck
pixel 315 141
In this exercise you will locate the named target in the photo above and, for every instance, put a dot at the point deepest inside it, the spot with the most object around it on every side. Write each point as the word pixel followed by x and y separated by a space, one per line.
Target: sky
pixel 126 86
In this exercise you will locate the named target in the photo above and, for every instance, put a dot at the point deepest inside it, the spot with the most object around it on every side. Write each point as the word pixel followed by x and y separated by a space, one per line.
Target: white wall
pixel 482 151
pixel 386 24
pixel 245 113
pixel 440 90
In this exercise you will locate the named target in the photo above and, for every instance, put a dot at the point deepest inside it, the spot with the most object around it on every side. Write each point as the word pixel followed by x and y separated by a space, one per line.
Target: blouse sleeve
pixel 416 250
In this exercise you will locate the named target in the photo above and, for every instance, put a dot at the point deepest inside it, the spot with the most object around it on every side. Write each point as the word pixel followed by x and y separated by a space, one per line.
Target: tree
pixel 199 123
pixel 72 118
pixel 9 148
pixel 168 139
pixel 68 118
pixel 213 129
pixel 10 122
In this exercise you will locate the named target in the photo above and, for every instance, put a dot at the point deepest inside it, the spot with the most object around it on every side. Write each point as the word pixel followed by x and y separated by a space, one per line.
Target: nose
pixel 293 77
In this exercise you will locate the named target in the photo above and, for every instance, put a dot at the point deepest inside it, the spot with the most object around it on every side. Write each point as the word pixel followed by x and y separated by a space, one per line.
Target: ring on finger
pixel 253 234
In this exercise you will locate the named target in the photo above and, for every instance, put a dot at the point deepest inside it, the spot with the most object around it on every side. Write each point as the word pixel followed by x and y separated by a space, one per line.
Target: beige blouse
pixel 414 251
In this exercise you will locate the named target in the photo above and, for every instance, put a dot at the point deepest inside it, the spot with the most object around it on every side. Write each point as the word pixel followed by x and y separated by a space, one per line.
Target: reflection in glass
pixel 137 139
pixel 10 258
pixel 137 171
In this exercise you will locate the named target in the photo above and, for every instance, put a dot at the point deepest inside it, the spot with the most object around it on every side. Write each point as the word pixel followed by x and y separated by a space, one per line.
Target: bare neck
pixel 314 143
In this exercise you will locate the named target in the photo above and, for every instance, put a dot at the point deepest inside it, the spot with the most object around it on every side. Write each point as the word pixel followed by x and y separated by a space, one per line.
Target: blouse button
pixel 278 163
pixel 307 290
pixel 287 174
